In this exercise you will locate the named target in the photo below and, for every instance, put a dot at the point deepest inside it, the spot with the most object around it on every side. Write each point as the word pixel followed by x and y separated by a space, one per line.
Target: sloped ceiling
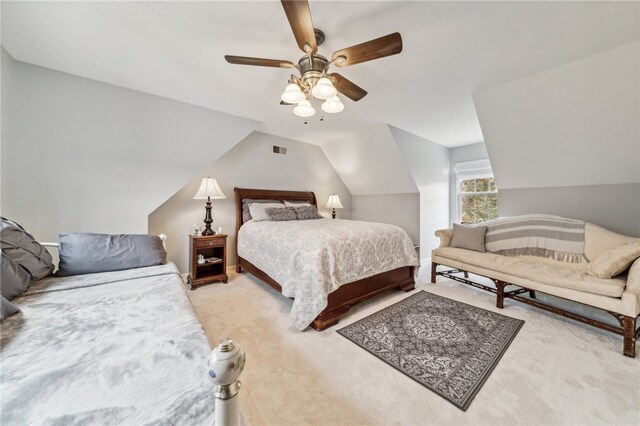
pixel 451 50
pixel 578 124
pixel 85 156
pixel 369 162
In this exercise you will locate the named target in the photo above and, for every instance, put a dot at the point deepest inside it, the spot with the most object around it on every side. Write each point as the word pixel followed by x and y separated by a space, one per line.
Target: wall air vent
pixel 280 150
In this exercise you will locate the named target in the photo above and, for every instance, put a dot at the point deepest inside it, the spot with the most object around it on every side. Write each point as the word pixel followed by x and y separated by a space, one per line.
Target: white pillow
pixel 614 261
pixel 296 203
pixel 258 212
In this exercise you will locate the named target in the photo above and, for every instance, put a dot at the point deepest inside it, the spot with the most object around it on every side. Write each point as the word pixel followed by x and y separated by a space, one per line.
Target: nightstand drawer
pixel 209 242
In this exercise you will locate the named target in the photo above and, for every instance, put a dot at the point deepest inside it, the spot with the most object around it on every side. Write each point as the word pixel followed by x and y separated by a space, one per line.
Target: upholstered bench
pixel 618 295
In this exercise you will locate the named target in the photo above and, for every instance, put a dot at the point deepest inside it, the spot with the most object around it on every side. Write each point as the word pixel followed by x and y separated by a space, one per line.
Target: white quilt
pixel 116 348
pixel 312 258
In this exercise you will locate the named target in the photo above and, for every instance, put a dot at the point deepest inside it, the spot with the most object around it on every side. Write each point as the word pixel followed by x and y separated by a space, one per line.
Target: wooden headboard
pixel 268 194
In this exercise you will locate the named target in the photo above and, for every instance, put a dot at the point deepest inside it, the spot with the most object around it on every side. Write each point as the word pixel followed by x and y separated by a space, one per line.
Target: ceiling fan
pixel 315 81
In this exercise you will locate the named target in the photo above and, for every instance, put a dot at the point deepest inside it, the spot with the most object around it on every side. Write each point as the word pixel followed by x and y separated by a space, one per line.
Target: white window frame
pixel 479 169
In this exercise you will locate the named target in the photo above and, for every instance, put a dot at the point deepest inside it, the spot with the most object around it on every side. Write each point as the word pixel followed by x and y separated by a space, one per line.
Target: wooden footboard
pixel 341 300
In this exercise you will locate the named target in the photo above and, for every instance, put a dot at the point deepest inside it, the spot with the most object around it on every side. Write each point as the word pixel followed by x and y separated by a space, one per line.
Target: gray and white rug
pixel 448 346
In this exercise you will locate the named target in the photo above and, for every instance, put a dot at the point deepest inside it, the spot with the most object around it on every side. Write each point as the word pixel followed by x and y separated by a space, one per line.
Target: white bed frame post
pixel 226 363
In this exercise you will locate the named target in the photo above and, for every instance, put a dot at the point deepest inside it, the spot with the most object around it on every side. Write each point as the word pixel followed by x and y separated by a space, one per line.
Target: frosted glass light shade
pixel 209 189
pixel 324 89
pixel 304 109
pixel 332 105
pixel 292 94
pixel 334 202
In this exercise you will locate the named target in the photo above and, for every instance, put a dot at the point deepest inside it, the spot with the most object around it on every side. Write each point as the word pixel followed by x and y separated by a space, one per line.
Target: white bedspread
pixel 312 258
pixel 117 348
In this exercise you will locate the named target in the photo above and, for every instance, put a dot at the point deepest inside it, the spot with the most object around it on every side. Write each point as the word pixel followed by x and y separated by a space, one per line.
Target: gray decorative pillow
pixel 15 279
pixel 20 246
pixel 280 214
pixel 7 308
pixel 91 253
pixel 246 214
pixel 469 237
pixel 306 212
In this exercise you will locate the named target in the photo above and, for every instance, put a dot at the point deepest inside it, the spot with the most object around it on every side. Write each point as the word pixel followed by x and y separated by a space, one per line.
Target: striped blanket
pixel 537 235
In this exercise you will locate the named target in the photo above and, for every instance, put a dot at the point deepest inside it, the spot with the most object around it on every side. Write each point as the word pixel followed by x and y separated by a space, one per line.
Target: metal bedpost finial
pixel 226 345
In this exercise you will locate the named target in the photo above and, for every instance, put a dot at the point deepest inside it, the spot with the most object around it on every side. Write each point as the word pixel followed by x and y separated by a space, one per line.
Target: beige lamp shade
pixel 209 189
pixel 334 202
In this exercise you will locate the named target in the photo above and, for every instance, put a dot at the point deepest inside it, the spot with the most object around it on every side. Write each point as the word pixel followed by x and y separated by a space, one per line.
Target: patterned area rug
pixel 448 346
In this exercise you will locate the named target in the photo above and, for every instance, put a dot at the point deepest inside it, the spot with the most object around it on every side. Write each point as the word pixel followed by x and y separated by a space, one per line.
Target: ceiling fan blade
pixel 299 17
pixel 347 88
pixel 369 50
pixel 261 62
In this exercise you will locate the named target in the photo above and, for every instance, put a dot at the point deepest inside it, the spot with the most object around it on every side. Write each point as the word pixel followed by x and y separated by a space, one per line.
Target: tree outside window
pixel 477 199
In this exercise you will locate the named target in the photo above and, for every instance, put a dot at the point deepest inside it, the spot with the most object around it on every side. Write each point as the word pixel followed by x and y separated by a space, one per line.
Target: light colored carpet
pixel 556 371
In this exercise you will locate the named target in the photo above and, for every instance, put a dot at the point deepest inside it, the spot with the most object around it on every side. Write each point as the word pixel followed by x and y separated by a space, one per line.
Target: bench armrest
pixel 631 295
pixel 633 278
pixel 445 236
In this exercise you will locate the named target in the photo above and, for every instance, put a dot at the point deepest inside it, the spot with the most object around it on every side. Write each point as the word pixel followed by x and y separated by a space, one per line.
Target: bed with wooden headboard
pixel 347 295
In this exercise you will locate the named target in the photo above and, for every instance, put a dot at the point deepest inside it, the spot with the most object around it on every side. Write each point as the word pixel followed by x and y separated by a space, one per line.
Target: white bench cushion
pixel 556 274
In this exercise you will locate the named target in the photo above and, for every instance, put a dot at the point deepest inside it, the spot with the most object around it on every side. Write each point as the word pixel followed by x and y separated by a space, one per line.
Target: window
pixel 477 199
pixel 477 192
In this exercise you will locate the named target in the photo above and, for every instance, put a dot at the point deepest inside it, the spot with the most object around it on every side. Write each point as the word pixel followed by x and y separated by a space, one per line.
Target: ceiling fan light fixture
pixel 304 109
pixel 332 105
pixel 323 89
pixel 292 94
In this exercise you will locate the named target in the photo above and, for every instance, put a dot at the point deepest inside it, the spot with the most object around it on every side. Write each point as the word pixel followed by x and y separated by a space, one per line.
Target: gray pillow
pixel 469 237
pixel 20 246
pixel 7 308
pixel 280 214
pixel 246 214
pixel 307 212
pixel 91 253
pixel 14 280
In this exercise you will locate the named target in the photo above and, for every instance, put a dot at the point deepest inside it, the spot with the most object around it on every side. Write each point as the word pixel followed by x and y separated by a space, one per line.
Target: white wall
pixel 599 204
pixel 7 66
pixel 402 210
pixel 87 156
pixel 476 151
pixel 428 164
pixel 250 164
pixel 568 140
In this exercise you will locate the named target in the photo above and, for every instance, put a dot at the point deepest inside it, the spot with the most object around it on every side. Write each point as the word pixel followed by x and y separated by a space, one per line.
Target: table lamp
pixel 334 203
pixel 208 190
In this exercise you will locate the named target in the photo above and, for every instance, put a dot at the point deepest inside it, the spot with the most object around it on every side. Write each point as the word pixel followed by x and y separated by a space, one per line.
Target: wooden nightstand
pixel 214 250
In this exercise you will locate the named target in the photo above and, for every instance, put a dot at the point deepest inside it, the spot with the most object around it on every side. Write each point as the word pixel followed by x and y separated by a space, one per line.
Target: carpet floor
pixel 555 372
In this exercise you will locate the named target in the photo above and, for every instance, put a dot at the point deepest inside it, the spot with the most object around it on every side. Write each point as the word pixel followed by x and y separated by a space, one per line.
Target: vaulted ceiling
pixel 451 50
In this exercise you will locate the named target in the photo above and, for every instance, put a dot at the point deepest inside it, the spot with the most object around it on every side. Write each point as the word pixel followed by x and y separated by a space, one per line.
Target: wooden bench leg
pixel 466 274
pixel 433 272
pixel 629 334
pixel 532 294
pixel 500 295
